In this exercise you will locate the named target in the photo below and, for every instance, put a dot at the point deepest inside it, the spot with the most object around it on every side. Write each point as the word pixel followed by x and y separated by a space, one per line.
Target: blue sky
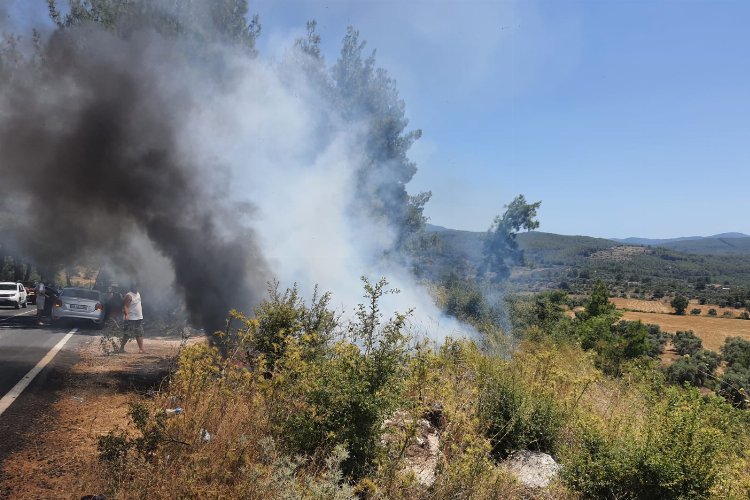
pixel 626 118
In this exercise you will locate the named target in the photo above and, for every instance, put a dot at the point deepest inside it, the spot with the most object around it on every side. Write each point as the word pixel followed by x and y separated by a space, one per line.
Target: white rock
pixel 532 468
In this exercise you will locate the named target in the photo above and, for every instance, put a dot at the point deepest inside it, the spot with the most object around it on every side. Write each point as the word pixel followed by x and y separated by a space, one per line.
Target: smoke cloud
pixel 208 170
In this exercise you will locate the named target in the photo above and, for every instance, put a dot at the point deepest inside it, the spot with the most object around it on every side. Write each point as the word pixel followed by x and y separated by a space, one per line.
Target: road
pixel 23 343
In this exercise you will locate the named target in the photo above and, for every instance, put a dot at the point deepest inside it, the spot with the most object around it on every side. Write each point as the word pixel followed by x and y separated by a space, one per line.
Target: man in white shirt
pixel 132 313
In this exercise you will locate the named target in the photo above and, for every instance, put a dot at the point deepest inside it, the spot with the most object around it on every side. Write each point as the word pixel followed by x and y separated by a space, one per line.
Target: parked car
pixel 30 291
pixel 13 294
pixel 79 303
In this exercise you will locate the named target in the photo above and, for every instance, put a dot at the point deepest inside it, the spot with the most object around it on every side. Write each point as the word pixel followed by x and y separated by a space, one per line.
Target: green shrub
pixel 695 311
pixel 686 342
pixel 285 316
pixel 518 417
pixel 735 385
pixel 712 312
pixel 656 340
pixel 697 370
pixel 736 352
pixel 348 393
pixel 679 453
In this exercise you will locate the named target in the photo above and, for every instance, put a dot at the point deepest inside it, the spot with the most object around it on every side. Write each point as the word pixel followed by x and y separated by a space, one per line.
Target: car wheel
pixel 18 305
pixel 25 304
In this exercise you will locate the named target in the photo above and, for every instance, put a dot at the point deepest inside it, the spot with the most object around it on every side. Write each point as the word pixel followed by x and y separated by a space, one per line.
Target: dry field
pixel 662 306
pixel 649 306
pixel 712 331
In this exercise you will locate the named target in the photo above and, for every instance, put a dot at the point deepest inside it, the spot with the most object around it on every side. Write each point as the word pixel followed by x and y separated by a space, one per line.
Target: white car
pixel 13 294
pixel 79 303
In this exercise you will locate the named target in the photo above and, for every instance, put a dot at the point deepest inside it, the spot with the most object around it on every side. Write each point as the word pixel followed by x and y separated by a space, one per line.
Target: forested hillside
pixel 574 262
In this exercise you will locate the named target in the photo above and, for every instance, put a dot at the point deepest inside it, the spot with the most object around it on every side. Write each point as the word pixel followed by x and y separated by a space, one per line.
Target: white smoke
pixel 296 160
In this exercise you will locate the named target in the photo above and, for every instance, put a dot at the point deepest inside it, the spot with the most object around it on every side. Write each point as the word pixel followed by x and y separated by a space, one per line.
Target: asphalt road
pixel 23 343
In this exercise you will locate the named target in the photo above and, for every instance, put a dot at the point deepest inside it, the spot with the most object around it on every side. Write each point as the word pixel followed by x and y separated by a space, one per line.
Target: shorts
pixel 133 328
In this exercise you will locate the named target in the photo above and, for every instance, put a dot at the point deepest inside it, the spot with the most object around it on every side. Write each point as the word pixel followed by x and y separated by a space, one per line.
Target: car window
pixel 7 286
pixel 81 294
pixel 21 288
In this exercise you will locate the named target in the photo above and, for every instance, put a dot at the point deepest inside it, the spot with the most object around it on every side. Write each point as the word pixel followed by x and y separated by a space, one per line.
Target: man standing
pixel 40 300
pixel 133 315
pixel 114 306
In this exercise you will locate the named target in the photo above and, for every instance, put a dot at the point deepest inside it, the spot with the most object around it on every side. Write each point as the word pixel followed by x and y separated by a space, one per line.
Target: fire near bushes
pixel 297 410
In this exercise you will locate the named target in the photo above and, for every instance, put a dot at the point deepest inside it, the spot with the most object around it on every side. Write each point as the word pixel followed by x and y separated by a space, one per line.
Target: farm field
pixel 662 306
pixel 712 331
pixel 649 306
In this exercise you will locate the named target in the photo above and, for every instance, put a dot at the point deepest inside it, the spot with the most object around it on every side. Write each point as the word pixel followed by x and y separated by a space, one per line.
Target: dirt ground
pixel 94 401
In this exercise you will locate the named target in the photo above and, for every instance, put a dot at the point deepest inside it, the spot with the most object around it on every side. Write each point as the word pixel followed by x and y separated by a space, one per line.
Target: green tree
pixel 598 304
pixel 679 303
pixel 224 21
pixel 501 250
pixel 368 95
pixel 686 342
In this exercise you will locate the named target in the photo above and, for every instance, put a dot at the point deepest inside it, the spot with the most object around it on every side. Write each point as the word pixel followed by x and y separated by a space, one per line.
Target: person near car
pixel 39 290
pixel 50 295
pixel 133 314
pixel 115 305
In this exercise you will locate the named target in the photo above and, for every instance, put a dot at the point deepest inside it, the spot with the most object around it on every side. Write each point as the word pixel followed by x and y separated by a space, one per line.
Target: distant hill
pixel 553 258
pixel 718 244
pixel 712 246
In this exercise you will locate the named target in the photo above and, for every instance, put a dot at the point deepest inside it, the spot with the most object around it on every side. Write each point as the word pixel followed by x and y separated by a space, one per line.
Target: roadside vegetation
pixel 298 408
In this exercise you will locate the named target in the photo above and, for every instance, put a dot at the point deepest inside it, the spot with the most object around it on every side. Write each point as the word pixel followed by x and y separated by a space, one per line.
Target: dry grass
pixel 649 306
pixel 662 306
pixel 712 331
pixel 55 463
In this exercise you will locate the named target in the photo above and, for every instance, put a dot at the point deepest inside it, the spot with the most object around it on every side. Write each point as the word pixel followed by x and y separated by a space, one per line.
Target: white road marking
pixel 18 314
pixel 26 380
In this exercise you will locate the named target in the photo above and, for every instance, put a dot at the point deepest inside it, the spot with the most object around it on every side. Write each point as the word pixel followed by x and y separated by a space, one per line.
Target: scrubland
pixel 291 403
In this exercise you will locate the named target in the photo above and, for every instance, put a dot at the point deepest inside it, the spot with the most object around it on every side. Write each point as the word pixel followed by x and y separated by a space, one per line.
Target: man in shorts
pixel 132 313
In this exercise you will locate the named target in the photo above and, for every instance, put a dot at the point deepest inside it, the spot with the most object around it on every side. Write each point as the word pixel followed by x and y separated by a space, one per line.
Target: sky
pixel 625 118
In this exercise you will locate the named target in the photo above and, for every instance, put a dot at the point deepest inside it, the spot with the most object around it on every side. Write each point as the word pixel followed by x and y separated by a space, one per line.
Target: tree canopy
pixel 500 247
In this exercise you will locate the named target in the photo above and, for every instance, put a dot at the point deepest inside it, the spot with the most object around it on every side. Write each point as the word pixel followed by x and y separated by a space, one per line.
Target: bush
pixel 736 352
pixel 656 340
pixel 727 314
pixel 677 454
pixel 695 311
pixel 744 315
pixel 350 392
pixel 734 386
pixel 712 312
pixel 285 316
pixel 697 370
pixel 686 342
pixel 518 417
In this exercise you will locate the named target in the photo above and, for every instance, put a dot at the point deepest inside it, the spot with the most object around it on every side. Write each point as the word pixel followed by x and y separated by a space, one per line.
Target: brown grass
pixel 662 306
pixel 712 331
pixel 650 306
pixel 58 462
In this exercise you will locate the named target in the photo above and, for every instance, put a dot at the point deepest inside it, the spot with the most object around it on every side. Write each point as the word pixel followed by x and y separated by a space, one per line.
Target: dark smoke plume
pixel 90 158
